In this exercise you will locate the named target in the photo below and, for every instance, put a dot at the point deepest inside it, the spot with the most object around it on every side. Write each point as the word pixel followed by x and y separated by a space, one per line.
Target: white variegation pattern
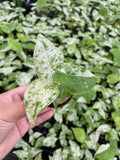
pixel 38 96
pixel 75 70
pixel 46 58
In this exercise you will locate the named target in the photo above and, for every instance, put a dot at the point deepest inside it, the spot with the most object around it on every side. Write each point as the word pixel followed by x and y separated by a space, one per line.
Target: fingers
pixel 19 131
pixel 44 117
pixel 45 110
pixel 19 112
pixel 14 95
pixel 23 125
pixel 14 106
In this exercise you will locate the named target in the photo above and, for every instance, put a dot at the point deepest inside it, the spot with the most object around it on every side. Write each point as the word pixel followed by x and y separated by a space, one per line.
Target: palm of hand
pixel 13 120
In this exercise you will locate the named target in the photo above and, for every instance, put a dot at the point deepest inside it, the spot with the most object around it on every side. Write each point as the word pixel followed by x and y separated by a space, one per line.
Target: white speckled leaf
pixel 46 58
pixel 74 80
pixel 38 96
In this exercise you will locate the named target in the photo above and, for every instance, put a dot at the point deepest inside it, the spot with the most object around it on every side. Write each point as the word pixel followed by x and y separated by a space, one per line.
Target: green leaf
pixel 5 28
pixel 12 25
pixel 89 95
pixel 116 54
pixel 21 154
pixel 113 78
pixel 73 84
pixel 106 92
pixel 105 152
pixel 116 118
pixel 11 86
pixel 38 96
pixel 22 55
pixel 28 64
pixel 17 63
pixel 39 142
pixel 61 98
pixel 19 27
pixel 74 80
pixel 113 135
pixel 4 48
pixel 14 45
pixel 71 48
pixel 79 134
pixel 29 46
pixel 23 38
pixel 113 138
pixel 116 101
pixel 41 3
pixel 89 119
pixel 46 58
pixel 2 55
pixel 39 156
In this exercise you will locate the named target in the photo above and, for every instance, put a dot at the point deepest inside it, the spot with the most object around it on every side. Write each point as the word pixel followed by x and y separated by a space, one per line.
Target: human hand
pixel 13 120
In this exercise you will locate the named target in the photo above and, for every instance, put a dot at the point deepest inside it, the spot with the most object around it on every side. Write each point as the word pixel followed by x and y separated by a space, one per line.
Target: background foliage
pixel 88 33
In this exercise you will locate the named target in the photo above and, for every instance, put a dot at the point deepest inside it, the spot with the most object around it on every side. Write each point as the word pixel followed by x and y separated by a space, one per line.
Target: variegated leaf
pixel 38 96
pixel 46 58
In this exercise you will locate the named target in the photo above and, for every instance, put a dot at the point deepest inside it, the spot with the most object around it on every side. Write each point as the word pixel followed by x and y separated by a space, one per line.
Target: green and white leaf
pixel 7 70
pixel 24 78
pixel 57 155
pixel 74 84
pixel 58 115
pixel 50 141
pixel 46 58
pixel 105 152
pixel 38 96
pixel 103 128
pixel 65 75
pixel 75 150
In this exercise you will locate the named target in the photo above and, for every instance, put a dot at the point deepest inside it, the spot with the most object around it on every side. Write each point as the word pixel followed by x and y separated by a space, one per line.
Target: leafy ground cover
pixel 88 34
